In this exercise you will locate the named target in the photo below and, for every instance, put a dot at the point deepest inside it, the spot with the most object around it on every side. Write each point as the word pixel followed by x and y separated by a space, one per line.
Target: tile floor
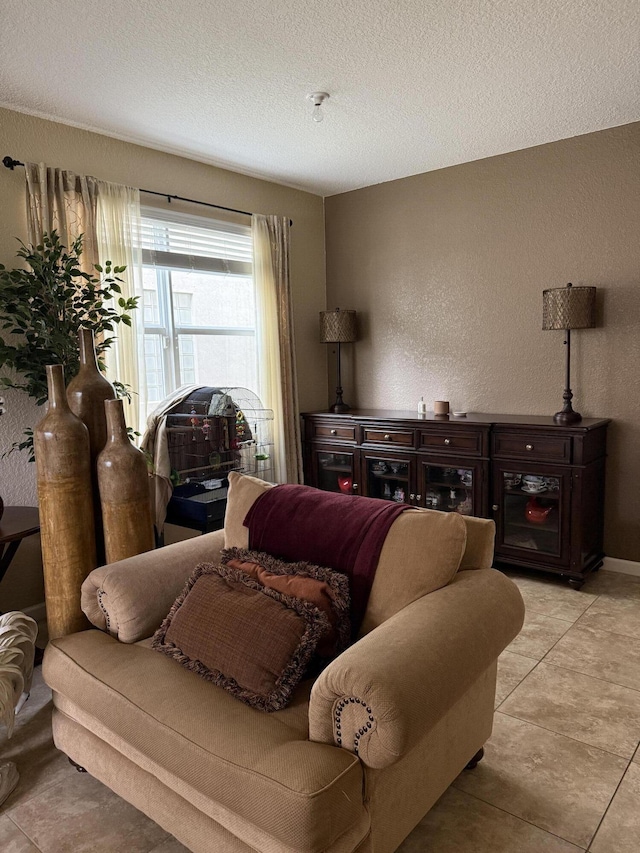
pixel 561 772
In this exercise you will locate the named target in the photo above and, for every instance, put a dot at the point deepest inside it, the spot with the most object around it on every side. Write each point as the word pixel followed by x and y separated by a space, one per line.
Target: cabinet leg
pixel 476 758
pixel 574 583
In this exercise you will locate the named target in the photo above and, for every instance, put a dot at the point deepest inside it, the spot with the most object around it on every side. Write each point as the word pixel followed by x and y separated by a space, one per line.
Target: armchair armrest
pixel 129 599
pixel 381 694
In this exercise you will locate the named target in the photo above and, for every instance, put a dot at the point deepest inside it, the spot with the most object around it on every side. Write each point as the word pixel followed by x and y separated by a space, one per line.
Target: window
pixel 199 304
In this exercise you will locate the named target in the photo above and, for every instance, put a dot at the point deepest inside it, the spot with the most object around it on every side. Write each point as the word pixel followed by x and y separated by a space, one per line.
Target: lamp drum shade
pixel 569 308
pixel 337 327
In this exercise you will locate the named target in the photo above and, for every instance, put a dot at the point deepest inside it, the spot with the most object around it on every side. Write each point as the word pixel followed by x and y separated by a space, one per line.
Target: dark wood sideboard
pixel 543 484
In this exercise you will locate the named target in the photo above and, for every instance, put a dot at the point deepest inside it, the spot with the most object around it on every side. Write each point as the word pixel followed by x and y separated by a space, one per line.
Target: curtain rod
pixel 10 163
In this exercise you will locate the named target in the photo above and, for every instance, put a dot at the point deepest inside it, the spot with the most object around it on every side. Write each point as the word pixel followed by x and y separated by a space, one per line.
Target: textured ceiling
pixel 415 84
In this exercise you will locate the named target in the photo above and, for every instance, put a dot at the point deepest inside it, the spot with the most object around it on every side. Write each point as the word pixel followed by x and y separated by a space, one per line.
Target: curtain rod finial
pixel 10 163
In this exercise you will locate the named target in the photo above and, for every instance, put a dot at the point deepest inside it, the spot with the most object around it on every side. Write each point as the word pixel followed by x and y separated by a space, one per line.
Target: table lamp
pixel 338 327
pixel 568 308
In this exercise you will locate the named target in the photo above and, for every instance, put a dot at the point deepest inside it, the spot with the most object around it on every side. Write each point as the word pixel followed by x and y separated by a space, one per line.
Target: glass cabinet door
pixel 530 511
pixel 388 478
pixel 335 471
pixel 449 489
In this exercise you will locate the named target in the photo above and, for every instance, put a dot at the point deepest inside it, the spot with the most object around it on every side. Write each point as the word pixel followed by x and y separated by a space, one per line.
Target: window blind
pixel 194 243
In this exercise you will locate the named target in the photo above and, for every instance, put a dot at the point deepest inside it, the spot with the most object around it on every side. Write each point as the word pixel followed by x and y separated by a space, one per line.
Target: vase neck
pixel 87 349
pixel 56 388
pixel 116 426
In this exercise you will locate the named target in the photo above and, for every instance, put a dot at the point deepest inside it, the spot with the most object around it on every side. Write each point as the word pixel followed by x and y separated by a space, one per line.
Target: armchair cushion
pixel 251 772
pixel 253 641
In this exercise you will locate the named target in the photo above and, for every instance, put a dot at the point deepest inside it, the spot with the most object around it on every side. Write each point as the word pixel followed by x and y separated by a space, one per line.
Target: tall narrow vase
pixel 61 443
pixel 124 491
pixel 86 395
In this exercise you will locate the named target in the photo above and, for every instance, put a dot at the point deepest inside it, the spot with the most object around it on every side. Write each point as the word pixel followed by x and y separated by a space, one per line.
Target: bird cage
pixel 218 430
pixel 212 432
pixel 254 433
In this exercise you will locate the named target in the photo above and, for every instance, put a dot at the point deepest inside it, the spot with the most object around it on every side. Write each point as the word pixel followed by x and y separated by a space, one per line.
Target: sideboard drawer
pixel 336 431
pixel 452 441
pixel 541 448
pixel 397 437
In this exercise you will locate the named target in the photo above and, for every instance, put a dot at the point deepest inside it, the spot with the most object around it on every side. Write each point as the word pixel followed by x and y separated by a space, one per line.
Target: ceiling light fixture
pixel 318 98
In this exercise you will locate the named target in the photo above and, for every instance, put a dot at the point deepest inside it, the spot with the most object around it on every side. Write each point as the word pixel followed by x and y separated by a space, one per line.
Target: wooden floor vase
pixel 86 395
pixel 61 443
pixel 124 491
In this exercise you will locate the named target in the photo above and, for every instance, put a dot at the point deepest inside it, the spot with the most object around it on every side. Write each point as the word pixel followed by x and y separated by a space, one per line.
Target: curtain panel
pixel 119 240
pixel 276 344
pixel 108 217
pixel 64 202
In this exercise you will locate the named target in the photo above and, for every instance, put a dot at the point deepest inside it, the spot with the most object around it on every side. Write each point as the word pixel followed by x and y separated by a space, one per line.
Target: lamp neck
pixel 567 415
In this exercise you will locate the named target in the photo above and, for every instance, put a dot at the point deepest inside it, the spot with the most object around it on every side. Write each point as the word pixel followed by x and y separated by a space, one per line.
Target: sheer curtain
pixel 118 239
pixel 275 339
pixel 64 202
pixel 108 217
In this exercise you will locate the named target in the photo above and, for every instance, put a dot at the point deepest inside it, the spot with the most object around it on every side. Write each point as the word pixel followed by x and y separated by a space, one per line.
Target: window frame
pixel 163 263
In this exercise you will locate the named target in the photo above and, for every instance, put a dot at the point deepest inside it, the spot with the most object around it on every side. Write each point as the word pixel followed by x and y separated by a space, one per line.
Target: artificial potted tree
pixel 42 309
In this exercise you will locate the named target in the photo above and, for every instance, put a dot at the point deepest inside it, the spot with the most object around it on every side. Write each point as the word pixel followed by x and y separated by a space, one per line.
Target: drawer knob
pixel 495 507
pixel 528 446
pixel 387 437
pixel 447 441
pixel 418 497
pixel 412 497
pixel 334 432
pixel 355 487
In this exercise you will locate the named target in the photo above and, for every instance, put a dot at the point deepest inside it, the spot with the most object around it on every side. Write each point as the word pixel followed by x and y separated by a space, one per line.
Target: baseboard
pixel 36 611
pixel 624 567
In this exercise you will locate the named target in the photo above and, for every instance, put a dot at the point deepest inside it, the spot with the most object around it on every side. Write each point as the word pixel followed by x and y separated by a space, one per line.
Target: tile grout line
pixel 523 819
pixel 586 675
pixel 560 618
pixel 568 669
pixel 626 769
pixel 30 796
pixel 569 737
pixel 519 655
pixel 573 621
pixel 609 631
pixel 539 661
pixel 589 675
pixel 26 834
pixel 522 680
pixel 573 624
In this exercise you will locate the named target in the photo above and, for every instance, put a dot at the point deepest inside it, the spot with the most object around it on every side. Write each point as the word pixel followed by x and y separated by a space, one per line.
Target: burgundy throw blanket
pixel 341 532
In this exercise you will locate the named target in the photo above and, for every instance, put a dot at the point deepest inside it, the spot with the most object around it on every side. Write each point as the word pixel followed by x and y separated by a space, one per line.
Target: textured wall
pixel 447 268
pixel 29 138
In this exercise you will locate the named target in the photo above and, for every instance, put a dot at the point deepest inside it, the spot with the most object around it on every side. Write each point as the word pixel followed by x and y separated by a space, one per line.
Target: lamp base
pixel 339 406
pixel 566 418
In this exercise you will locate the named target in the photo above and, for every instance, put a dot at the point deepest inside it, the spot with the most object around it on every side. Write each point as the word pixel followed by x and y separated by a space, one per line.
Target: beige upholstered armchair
pixel 360 754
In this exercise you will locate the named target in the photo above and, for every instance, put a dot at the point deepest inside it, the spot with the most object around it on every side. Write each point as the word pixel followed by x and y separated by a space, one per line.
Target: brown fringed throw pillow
pixel 326 589
pixel 249 639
